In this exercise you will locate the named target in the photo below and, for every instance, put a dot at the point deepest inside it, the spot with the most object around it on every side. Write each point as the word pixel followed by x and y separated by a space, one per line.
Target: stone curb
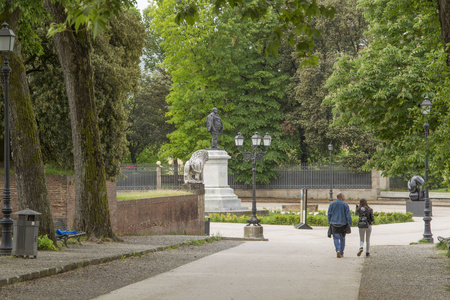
pixel 244 239
pixel 88 262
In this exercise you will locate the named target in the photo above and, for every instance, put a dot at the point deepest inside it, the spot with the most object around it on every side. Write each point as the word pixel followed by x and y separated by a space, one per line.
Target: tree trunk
pixel 91 201
pixel 133 154
pixel 444 18
pixel 28 162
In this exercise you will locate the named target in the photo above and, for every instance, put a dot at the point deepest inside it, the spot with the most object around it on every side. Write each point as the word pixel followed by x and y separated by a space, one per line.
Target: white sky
pixel 142 4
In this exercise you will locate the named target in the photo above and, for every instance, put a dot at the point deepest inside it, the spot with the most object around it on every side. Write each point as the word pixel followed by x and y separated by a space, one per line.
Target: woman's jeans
pixel 339 242
pixel 365 232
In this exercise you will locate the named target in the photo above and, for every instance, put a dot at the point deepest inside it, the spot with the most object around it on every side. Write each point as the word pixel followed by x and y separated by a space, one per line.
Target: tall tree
pixel 116 57
pixel 74 53
pixel 310 120
pixel 381 89
pixel 444 19
pixel 28 162
pixel 217 64
pixel 148 108
pixel 115 60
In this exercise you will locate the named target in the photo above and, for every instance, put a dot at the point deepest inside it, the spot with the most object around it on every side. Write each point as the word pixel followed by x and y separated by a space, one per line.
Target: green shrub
pixel 45 243
pixel 442 245
pixel 318 219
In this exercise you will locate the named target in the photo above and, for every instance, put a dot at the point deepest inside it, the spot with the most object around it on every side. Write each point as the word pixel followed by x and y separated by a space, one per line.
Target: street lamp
pixel 427 235
pixel 330 147
pixel 253 156
pixel 7 38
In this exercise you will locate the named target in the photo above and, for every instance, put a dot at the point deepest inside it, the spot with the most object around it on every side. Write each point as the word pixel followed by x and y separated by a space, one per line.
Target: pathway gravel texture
pixel 405 272
pixel 392 272
pixel 95 280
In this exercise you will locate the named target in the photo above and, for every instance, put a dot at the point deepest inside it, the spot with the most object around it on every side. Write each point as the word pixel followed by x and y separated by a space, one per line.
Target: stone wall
pixel 165 215
pixel 379 184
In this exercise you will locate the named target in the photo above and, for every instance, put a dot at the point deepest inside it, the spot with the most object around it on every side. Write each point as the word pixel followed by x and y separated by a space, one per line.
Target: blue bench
pixel 63 234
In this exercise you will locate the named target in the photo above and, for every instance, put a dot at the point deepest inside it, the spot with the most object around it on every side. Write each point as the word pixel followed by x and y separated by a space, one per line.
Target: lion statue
pixel 193 169
pixel 415 188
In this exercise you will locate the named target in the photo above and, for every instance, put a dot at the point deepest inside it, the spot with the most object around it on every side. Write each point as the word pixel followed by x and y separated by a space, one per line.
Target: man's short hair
pixel 339 196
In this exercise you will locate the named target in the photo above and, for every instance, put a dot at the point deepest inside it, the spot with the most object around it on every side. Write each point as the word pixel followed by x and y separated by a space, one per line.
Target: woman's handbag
pixel 348 229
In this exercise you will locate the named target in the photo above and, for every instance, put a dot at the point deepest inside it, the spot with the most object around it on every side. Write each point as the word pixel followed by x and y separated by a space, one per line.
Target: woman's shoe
pixel 360 251
pixel 367 254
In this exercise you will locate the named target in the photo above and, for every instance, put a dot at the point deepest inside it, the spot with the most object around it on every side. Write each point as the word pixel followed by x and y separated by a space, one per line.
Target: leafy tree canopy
pixel 93 15
pixel 147 115
pixel 381 90
pixel 288 13
pixel 307 117
pixel 216 63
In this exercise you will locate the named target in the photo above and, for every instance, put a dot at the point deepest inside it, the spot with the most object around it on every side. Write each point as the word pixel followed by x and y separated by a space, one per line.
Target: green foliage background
pixel 382 88
pixel 115 59
pixel 217 64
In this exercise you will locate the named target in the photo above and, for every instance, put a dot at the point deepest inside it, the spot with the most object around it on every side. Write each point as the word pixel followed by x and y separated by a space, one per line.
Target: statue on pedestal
pixel 215 126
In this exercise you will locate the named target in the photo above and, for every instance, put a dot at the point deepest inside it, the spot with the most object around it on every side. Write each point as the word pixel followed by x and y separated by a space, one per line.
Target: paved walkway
pixel 292 264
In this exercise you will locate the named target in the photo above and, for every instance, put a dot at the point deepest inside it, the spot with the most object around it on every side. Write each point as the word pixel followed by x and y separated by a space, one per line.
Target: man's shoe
pixel 367 254
pixel 338 254
pixel 360 251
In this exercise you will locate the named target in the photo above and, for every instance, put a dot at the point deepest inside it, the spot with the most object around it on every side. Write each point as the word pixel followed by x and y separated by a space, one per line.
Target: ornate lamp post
pixel 253 156
pixel 7 38
pixel 330 147
pixel 427 235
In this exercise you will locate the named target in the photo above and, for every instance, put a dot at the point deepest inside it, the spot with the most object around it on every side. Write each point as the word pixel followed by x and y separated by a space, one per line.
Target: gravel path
pixel 95 280
pixel 392 272
pixel 405 272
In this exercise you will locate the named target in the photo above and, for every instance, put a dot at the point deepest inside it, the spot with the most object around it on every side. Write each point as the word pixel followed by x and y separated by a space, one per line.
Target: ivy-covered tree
pixel 27 155
pixel 115 58
pixel 381 90
pixel 216 63
pixel 76 23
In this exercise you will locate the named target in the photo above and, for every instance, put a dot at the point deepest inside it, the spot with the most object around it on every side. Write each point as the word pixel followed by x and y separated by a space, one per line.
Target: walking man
pixel 339 217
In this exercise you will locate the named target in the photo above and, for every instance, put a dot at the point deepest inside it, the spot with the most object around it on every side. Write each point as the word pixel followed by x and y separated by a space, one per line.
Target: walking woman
pixel 365 222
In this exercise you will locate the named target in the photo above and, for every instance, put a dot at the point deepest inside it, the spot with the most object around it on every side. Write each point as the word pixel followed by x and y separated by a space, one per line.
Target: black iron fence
pixel 310 176
pixel 145 177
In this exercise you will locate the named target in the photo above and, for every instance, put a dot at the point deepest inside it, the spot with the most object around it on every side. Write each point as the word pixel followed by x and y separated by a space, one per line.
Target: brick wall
pixel 162 215
pixel 165 215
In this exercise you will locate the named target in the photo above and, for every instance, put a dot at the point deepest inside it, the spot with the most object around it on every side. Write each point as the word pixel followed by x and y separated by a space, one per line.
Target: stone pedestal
pixel 219 196
pixel 253 232
pixel 417 208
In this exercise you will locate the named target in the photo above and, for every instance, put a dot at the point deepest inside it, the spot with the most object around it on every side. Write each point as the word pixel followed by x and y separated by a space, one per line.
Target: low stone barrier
pixel 182 214
pixel 161 215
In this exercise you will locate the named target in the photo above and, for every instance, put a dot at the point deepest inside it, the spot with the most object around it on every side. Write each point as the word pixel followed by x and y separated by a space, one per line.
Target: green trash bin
pixel 25 234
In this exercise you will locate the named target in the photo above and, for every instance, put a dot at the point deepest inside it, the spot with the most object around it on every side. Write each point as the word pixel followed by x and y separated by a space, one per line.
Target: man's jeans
pixel 339 242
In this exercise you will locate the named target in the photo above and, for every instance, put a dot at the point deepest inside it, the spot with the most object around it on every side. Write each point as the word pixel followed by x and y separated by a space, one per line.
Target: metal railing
pixel 145 177
pixel 137 177
pixel 310 176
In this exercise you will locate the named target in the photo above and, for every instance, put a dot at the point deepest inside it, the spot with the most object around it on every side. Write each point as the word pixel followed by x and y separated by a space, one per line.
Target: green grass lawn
pixel 149 194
